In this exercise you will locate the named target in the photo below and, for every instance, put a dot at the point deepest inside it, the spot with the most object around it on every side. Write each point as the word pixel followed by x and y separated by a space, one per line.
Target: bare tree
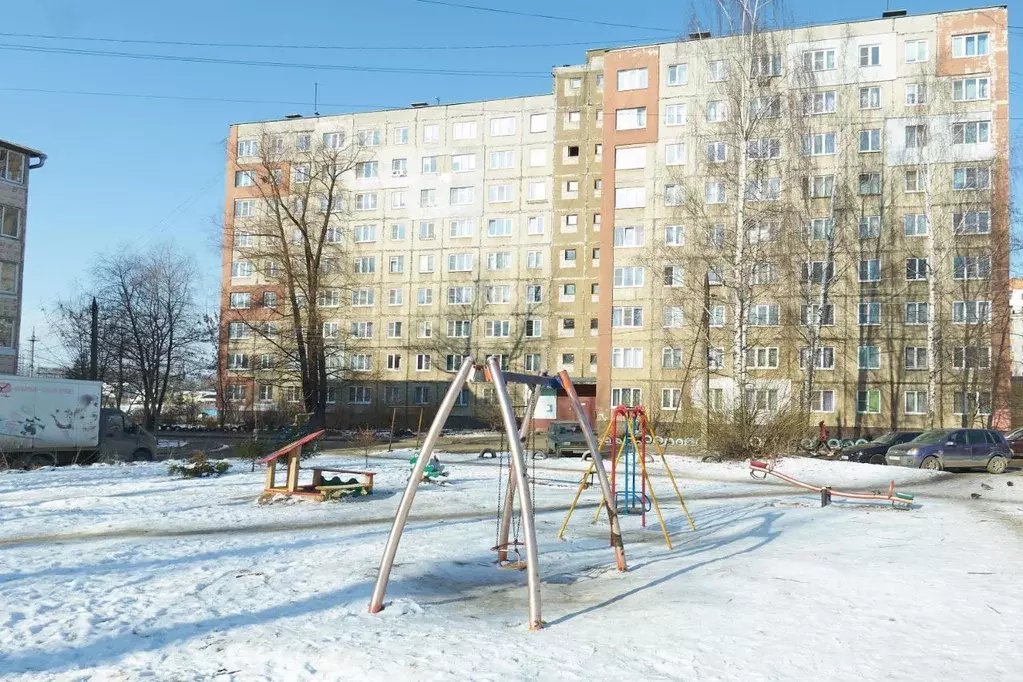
pixel 291 233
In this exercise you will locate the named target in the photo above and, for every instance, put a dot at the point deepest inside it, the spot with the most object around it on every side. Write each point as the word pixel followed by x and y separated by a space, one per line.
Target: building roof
pixel 21 148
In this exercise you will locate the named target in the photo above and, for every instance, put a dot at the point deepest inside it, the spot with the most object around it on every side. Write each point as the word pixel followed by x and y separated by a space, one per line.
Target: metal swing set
pixel 518 483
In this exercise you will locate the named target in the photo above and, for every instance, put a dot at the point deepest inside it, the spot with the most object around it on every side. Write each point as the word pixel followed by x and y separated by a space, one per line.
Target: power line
pixel 187 98
pixel 535 15
pixel 286 65
pixel 360 48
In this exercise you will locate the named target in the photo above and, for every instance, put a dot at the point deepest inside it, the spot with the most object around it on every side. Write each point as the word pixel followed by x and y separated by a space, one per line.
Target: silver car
pixel 953 449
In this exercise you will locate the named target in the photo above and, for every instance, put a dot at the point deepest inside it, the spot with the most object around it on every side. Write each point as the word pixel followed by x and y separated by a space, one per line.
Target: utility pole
pixel 94 342
pixel 32 353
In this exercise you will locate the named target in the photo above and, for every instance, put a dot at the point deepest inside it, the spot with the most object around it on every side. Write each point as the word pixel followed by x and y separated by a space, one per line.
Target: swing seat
pixel 632 504
pixel 516 564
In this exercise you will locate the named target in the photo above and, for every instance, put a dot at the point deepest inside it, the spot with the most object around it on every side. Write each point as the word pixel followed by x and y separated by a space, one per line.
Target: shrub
pixel 198 466
pixel 252 450
pixel 743 434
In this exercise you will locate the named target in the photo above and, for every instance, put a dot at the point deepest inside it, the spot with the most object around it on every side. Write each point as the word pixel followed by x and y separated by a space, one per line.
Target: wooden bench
pixel 366 484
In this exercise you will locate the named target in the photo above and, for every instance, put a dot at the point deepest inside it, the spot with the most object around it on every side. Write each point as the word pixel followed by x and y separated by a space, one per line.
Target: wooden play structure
pixel 320 488
pixel 518 487
pixel 635 494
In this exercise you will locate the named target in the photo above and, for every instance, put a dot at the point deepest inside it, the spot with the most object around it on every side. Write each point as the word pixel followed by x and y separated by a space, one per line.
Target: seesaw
pixel 898 500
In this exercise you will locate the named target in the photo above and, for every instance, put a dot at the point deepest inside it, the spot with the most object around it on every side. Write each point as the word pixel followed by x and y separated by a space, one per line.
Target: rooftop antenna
pixel 438 100
pixel 316 99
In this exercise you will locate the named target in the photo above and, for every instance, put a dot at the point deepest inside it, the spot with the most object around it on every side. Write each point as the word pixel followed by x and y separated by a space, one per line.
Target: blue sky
pixel 135 171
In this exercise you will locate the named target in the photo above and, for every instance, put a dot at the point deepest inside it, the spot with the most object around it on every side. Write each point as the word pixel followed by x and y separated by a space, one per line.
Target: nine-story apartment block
pixel 813 214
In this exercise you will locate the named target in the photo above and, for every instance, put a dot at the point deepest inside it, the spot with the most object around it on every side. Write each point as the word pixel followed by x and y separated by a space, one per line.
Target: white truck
pixel 60 421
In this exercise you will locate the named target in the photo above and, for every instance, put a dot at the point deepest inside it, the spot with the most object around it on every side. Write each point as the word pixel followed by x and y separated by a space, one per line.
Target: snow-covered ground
pixel 122 573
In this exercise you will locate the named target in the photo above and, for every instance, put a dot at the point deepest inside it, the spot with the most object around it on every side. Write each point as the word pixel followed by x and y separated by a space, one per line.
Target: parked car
pixel 953 449
pixel 874 451
pixel 1015 439
pixel 565 438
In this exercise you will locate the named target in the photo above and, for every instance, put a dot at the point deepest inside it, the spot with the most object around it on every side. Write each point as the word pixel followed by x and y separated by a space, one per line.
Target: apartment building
pixel 817 211
pixel 15 163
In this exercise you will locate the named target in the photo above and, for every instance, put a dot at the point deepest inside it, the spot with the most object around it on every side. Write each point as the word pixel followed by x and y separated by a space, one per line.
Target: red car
pixel 1015 438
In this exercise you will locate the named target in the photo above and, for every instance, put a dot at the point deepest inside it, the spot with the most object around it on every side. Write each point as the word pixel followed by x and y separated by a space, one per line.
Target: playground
pixel 120 572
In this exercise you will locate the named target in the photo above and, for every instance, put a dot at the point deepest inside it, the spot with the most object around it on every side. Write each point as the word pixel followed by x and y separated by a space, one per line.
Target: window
pixel 717 111
pixel 571 224
pixel 916 94
pixel 765 107
pixel 671 398
pixel 394 330
pixel 237 392
pixel 914 224
pixel 571 187
pixel 820 144
pixel 497 294
pixel 502 127
pixel 567 293
pixel 819 60
pixel 716 235
pixel 499 227
pixel 870 226
pixel 915 357
pixel 970 177
pixel 674 235
pixel 627 358
pixel 460 262
pixel 822 401
pixel 970 45
pixel 630 157
pixel 870 140
pixel 814 315
pixel 537 123
pixel 973 132
pixel 574 117
pixel 431 132
pixel 915 180
pixel 497 194
pixel 498 328
pixel 971 312
pixel 822 229
pixel 820 102
pixel 244 208
pixel 717 71
pixel 915 402
pixel 359 395
pixel 462 196
pixel 971 267
pixel 426 262
pixel 868 402
pixel 764 314
pixel 502 159
pixel 765 273
pixel 916 51
pixel 365 233
pixel 421 395
pixel 630 197
pixel 463 163
pixel 869 357
pixel 425 330
pixel 366 201
pixel 671 358
pixel 971 357
pixel 361 362
pixel 970 89
pixel 768 189
pixel 717 152
pixel 714 192
pixel 870 55
pixel 765 399
pixel 762 358
pixel 870 98
pixel 869 314
pixel 246 148
pixel 820 186
pixel 363 169
pixel 239 301
pixel 824 357
pixel 673 275
pixel 972 402
pixel 245 178
pixel 717 316
pixel 395 296
pixel 971 222
pixel 818 271
pixel 242 268
pixel 675 115
pixel 916 269
pixel 534 260
pixel 237 361
pixel 464 130
pixel 678 74
pixel 630 119
pixel 870 270
pixel 766 148
pixel 534 293
pixel 766 65
pixel 459 296
pixel 398 232
pixel 626 317
pixel 915 136
pixel 916 312
pixel 399 198
pixel 269 299
pixel 537 191
pixel 365 265
pixel 628 277
pixel 568 256
pixel 532 362
pixel 870 183
pixel 498 261
pixel 673 317
pixel 632 79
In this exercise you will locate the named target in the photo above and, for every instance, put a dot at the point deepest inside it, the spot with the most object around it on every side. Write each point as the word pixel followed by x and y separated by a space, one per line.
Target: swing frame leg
pixel 509 497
